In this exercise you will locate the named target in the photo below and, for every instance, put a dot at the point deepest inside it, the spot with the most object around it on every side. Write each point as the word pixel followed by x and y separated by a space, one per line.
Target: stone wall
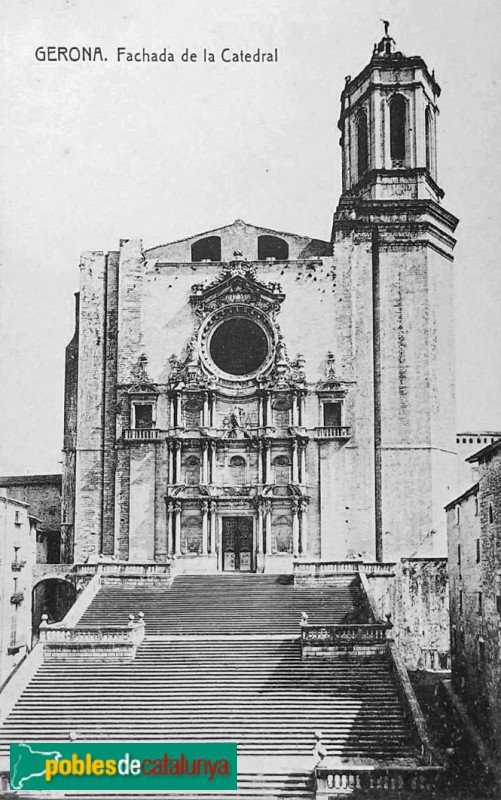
pixel 417 597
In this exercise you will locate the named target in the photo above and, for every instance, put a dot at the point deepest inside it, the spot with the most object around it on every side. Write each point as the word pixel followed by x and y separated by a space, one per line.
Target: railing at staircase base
pixel 375 781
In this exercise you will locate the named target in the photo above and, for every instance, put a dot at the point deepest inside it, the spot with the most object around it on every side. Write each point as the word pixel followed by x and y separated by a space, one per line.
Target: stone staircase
pixel 208 605
pixel 221 661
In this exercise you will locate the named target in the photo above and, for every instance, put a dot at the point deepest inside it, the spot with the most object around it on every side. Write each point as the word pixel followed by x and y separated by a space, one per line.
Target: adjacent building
pixel 18 531
pixel 474 533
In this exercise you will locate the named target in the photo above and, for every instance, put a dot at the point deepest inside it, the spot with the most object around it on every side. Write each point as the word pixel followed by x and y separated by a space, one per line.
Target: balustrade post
pixel 295 528
pixel 204 506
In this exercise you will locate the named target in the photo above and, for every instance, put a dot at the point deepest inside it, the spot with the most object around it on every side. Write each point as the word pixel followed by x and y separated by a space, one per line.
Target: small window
pixel 476 506
pixel 332 415
pixel 481 653
pixel 362 144
pixel 478 551
pixel 207 249
pixel 17 517
pixel 272 247
pixel 458 515
pixel 398 122
pixel 143 415
pixel 491 513
pixel 460 601
pixel 479 603
pixel 459 555
pixel 498 604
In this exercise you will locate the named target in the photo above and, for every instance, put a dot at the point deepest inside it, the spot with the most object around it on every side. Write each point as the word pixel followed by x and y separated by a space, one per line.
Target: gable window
pixel 362 143
pixel 398 122
pixel 207 249
pixel 272 247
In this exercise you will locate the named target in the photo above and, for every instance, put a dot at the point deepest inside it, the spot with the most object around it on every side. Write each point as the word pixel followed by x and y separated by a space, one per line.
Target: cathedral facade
pixel 245 397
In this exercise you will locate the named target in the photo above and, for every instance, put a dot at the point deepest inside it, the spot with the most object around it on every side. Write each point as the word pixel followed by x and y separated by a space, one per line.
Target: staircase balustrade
pixel 334 635
pixel 402 781
pixel 307 568
pixel 110 641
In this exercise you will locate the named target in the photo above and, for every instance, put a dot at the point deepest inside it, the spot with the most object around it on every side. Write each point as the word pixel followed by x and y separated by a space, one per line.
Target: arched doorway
pixel 54 597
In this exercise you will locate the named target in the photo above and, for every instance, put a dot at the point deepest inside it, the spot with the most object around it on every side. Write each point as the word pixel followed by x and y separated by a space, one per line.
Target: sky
pixel 97 152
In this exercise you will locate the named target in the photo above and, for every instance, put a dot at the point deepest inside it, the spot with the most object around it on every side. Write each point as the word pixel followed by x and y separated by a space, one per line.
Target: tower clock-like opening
pixel 238 346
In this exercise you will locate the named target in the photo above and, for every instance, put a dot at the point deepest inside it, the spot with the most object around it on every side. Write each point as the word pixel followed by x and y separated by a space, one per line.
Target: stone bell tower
pixel 392 244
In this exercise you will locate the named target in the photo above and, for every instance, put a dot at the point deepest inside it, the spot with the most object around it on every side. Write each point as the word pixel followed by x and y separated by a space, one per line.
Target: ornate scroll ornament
pixel 237 285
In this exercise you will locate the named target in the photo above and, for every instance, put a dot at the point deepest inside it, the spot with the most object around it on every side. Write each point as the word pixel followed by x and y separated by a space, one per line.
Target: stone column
pixel 177 446
pixel 267 534
pixel 267 451
pixel 170 456
pixel 171 412
pixel 260 528
pixel 204 506
pixel 300 421
pixel 294 461
pixel 302 463
pixel 179 414
pixel 295 528
pixel 304 527
pixel 170 532
pixel 260 462
pixel 205 463
pixel 177 542
pixel 205 413
pixel 212 537
pixel 212 462
pixel 268 409
pixel 294 420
